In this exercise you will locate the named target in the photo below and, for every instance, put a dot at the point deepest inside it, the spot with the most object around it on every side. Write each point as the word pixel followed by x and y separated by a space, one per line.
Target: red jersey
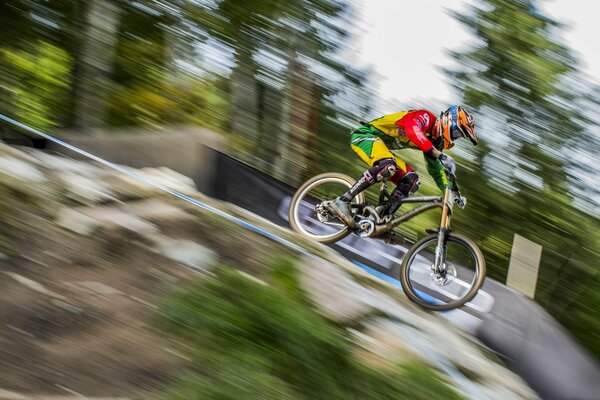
pixel 413 127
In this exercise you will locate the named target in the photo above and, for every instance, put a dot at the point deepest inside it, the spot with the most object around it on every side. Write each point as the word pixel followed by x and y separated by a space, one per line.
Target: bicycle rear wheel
pixel 308 213
pixel 463 275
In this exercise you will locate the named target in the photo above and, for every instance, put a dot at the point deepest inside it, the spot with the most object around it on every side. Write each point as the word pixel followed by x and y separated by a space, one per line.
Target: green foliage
pixel 265 72
pixel 36 83
pixel 264 340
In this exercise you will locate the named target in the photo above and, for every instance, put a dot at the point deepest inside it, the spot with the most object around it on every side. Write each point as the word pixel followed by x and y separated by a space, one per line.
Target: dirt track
pixel 78 311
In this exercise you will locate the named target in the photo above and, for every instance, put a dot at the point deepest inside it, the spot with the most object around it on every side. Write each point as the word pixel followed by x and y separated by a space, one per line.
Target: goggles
pixel 455 133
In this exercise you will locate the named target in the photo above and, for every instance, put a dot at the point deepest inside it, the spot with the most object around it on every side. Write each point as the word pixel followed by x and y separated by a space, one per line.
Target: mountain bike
pixel 441 271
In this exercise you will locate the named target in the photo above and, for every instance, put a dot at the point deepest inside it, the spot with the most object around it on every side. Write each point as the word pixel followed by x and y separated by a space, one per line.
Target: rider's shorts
pixel 371 148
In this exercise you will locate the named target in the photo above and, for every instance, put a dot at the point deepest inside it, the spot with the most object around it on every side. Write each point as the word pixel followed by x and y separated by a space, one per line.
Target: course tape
pixel 166 189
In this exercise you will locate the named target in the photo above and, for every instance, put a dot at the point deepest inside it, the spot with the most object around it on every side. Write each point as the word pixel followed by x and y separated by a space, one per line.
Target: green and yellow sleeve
pixel 436 170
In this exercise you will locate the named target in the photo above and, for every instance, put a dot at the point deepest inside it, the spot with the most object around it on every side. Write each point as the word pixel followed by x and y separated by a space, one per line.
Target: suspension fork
pixel 440 249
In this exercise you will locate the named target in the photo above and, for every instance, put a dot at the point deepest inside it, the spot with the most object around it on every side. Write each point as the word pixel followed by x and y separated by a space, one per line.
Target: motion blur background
pixel 284 82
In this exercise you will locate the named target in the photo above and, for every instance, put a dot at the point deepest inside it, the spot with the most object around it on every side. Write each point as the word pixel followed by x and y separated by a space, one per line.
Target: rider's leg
pixel 371 149
pixel 406 184
pixel 381 169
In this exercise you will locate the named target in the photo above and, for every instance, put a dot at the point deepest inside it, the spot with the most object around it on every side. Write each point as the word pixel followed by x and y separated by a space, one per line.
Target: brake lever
pixel 452 178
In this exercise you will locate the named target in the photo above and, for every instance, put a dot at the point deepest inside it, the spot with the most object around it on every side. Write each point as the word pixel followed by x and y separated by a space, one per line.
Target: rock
pixel 127 187
pixel 22 153
pixel 115 216
pixel 130 187
pixel 404 333
pixel 170 178
pixel 343 299
pixel 186 252
pixel 65 164
pixel 157 210
pixel 76 221
pixel 85 190
pixel 85 220
pixel 34 285
pixel 14 171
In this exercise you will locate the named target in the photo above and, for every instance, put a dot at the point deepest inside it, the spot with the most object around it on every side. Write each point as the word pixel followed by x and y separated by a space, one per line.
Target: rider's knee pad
pixel 383 169
pixel 409 184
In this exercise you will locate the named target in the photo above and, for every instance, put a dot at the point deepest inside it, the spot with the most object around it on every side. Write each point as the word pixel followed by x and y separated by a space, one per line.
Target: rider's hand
pixel 447 162
pixel 460 201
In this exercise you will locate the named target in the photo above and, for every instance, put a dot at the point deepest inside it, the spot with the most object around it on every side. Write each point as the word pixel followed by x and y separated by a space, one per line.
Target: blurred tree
pixel 239 25
pixel 306 34
pixel 136 62
pixel 519 79
pixel 93 50
pixel 285 75
pixel 141 93
pixel 24 22
pixel 516 74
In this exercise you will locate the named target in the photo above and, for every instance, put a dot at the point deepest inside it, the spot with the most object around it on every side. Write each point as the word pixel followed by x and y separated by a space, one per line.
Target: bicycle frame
pixel 445 202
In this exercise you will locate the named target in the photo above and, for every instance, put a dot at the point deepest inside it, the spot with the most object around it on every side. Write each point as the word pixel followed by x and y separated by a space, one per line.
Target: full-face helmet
pixel 454 123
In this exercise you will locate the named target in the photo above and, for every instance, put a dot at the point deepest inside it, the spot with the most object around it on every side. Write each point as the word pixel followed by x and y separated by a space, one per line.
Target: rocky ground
pixel 88 253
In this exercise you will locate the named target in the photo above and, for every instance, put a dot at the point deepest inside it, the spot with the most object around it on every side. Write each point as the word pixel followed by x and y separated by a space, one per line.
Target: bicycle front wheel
pixel 461 274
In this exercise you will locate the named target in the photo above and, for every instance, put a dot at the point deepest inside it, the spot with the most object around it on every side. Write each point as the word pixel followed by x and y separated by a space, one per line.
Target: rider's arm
pixel 437 172
pixel 414 124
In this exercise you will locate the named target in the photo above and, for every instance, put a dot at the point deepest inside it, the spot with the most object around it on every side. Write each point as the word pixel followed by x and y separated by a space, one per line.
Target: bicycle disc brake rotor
pixel 445 277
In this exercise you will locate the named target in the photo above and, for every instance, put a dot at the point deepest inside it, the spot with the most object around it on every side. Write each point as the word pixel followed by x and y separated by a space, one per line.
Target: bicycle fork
pixel 439 265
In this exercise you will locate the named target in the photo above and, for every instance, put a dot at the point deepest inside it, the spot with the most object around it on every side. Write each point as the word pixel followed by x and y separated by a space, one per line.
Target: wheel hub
pixel 444 277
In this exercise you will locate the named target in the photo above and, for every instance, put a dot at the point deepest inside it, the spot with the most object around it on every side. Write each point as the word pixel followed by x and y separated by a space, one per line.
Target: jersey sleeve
pixel 437 172
pixel 415 124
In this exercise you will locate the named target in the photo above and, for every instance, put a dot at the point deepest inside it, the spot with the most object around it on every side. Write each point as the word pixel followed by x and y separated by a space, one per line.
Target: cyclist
pixel 414 128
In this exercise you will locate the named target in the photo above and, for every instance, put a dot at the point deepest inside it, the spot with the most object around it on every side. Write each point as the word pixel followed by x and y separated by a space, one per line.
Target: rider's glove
pixel 460 201
pixel 447 162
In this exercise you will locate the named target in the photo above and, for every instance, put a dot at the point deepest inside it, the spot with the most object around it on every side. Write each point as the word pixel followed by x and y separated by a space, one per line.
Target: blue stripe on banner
pixel 175 193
